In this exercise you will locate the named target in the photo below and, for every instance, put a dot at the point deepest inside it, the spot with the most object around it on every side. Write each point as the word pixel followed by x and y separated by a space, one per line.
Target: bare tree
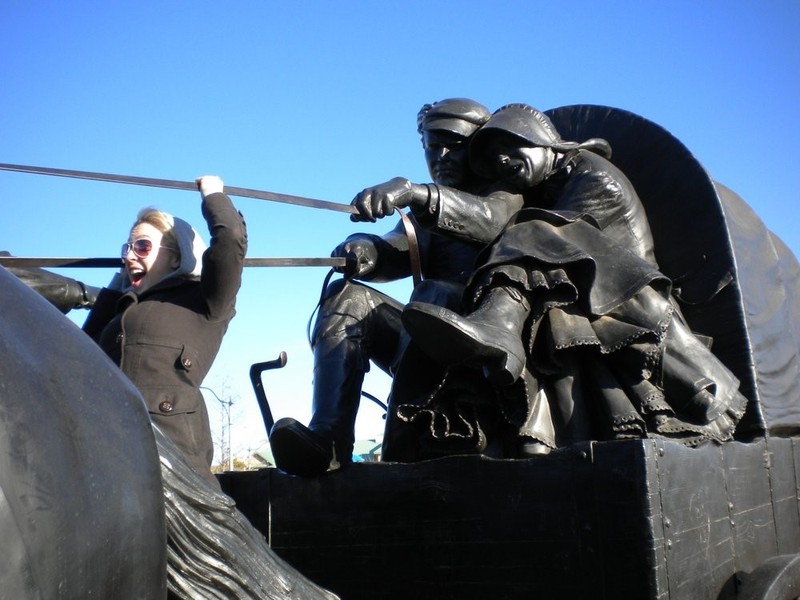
pixel 223 442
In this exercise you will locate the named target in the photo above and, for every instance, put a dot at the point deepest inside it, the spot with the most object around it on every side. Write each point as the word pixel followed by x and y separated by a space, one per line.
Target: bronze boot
pixel 489 338
pixel 299 450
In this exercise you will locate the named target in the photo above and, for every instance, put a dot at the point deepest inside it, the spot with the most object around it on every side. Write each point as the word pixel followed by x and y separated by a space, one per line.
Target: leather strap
pixel 413 248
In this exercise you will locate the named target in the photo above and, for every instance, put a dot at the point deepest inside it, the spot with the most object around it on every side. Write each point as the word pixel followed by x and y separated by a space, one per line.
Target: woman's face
pixel 522 167
pixel 146 268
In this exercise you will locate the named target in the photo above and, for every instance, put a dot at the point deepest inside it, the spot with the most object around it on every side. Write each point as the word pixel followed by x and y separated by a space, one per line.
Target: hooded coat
pixel 166 338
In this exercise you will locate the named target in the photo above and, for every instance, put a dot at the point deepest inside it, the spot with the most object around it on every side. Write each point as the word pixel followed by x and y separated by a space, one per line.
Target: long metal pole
pixel 180 185
pixel 77 262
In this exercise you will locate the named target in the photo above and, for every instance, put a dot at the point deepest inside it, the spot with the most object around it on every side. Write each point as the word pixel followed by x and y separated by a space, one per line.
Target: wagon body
pixel 628 519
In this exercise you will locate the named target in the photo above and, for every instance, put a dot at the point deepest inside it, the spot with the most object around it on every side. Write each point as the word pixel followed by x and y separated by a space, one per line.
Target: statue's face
pixel 446 155
pixel 521 167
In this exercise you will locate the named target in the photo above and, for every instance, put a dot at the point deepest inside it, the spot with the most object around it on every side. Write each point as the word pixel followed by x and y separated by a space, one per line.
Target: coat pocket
pixel 172 401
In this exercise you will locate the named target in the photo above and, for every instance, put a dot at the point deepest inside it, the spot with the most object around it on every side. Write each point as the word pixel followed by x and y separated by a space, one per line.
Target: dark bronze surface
pixel 81 512
pixel 644 519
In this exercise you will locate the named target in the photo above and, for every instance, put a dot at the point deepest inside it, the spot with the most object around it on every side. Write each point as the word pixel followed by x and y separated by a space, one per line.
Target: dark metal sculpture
pixel 357 324
pixel 62 292
pixel 624 519
pixel 645 519
pixel 258 386
pixel 81 509
pixel 736 282
pixel 96 502
pixel 212 549
pixel 569 305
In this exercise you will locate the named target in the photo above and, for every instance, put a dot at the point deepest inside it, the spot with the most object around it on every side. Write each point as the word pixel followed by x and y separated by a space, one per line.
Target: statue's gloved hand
pixel 360 254
pixel 62 292
pixel 379 201
pixel 88 295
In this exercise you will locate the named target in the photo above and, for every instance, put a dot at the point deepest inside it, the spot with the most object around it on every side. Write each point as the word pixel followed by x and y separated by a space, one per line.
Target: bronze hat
pixel 529 127
pixel 458 115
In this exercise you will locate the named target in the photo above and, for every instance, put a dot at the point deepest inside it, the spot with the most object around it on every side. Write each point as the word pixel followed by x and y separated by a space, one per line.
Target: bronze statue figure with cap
pixel 454 218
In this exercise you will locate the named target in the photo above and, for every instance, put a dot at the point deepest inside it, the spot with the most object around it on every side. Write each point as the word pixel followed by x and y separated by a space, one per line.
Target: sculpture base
pixel 632 519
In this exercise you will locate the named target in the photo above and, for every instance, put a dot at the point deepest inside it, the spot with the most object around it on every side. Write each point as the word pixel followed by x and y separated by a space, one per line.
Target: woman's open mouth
pixel 136 275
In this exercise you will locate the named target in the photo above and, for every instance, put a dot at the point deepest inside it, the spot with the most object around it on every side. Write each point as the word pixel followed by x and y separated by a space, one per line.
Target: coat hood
pixel 191 246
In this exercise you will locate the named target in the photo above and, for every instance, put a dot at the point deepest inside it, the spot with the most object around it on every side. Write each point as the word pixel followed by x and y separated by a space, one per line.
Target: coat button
pixel 166 406
pixel 187 363
pixel 120 337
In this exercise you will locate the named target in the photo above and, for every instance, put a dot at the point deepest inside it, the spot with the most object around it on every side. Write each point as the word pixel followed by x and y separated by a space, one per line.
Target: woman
pixel 163 317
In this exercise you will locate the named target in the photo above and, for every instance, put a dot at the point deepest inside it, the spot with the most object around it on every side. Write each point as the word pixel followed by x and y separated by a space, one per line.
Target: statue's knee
pixel 345 305
pixel 335 289
pixel 344 296
pixel 440 293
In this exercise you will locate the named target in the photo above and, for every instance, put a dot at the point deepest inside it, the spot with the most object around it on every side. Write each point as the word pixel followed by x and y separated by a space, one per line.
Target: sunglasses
pixel 141 248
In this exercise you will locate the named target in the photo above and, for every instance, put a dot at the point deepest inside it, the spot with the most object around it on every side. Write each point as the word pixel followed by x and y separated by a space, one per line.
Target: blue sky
pixel 319 99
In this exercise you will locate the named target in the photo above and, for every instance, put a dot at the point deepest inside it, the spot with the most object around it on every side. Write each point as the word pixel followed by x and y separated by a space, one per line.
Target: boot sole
pixel 297 451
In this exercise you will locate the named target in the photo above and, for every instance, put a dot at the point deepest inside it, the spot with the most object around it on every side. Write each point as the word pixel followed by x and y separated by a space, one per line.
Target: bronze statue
pixel 62 292
pixel 569 302
pixel 455 217
pixel 85 511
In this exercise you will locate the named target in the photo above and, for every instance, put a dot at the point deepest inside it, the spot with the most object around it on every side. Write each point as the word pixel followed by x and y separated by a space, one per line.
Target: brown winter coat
pixel 166 339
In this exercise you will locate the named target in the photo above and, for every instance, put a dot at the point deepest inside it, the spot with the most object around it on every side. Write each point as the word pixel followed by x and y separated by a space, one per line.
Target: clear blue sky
pixel 319 99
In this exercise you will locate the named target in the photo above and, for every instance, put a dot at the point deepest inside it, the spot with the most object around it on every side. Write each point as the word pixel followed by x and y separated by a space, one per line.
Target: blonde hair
pixel 162 221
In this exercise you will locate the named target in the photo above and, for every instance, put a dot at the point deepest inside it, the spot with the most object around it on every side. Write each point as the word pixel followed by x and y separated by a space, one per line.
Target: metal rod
pixel 181 185
pixel 258 387
pixel 28 262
